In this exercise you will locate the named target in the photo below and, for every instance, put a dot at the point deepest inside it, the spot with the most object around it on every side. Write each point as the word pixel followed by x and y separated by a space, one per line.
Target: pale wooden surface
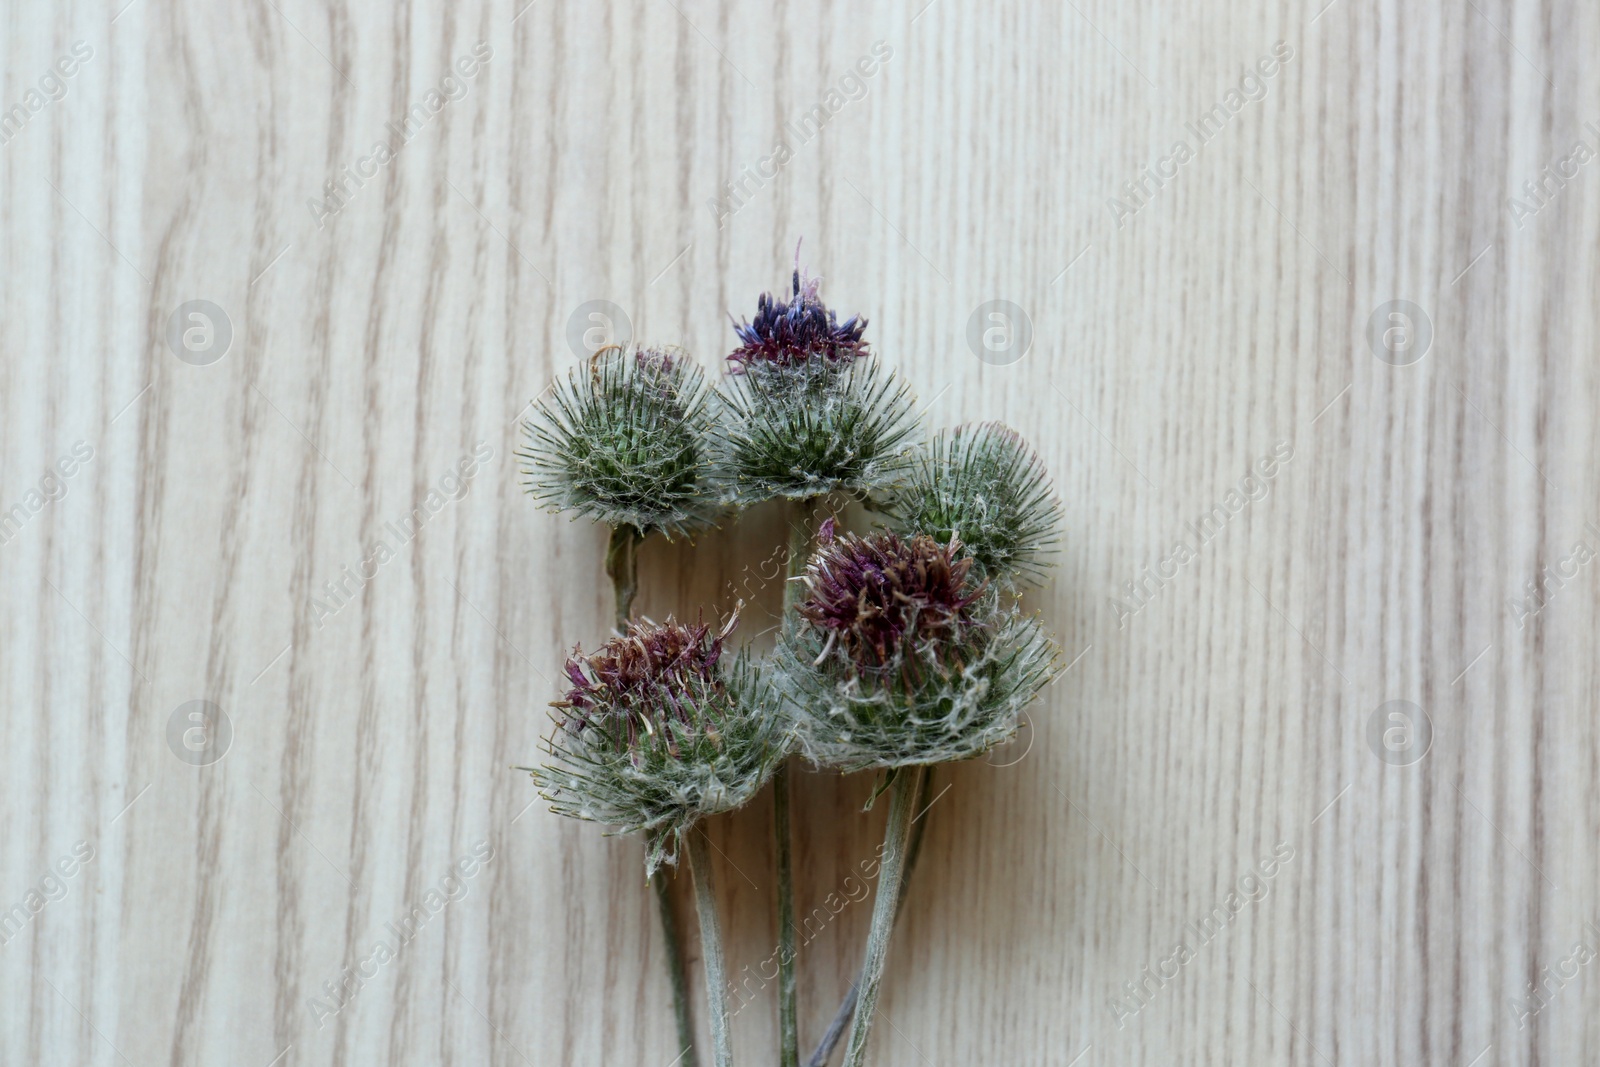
pixel 1225 718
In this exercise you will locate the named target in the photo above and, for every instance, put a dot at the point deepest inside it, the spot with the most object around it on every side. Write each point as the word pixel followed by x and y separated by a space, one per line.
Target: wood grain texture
pixel 1220 711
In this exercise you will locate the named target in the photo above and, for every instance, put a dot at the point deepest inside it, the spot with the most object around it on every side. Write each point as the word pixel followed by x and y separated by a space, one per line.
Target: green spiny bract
pixel 814 427
pixel 982 484
pixel 626 439
pixel 900 657
pixel 658 730
pixel 807 409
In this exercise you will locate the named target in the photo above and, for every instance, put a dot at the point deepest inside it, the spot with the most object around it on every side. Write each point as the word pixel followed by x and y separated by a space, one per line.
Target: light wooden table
pixel 1224 709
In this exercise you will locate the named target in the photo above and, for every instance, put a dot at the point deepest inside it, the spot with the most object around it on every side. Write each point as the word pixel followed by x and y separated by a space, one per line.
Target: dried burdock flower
pixel 870 596
pixel 983 484
pixel 626 439
pixel 901 656
pixel 808 409
pixel 785 334
pixel 659 728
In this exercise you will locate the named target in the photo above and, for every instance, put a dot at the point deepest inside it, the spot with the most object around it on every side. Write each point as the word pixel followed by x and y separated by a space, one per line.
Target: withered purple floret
pixel 871 595
pixel 785 334
pixel 639 682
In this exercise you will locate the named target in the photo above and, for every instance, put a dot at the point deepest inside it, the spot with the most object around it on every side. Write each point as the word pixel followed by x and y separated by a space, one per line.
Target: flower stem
pixel 896 842
pixel 802 532
pixel 705 899
pixel 788 1024
pixel 622 567
pixel 802 529
pixel 847 1007
pixel 676 972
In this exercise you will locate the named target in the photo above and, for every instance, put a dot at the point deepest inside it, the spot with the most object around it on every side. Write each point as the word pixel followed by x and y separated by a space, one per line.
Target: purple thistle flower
pixel 785 334
pixel 638 682
pixel 658 730
pixel 873 595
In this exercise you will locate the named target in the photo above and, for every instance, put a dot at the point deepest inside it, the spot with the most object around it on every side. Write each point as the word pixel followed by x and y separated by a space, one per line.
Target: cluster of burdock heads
pixel 901 648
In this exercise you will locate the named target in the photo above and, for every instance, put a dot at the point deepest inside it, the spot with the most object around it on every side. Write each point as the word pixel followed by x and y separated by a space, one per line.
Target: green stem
pixel 676 972
pixel 802 531
pixel 622 567
pixel 896 841
pixel 847 1007
pixel 788 1023
pixel 705 899
pixel 802 528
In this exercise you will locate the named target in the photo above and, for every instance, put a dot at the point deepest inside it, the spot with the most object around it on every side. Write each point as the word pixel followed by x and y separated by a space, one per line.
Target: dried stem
pixel 847 1007
pixel 705 898
pixel 802 536
pixel 802 530
pixel 676 972
pixel 896 841
pixel 788 1024
pixel 622 567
